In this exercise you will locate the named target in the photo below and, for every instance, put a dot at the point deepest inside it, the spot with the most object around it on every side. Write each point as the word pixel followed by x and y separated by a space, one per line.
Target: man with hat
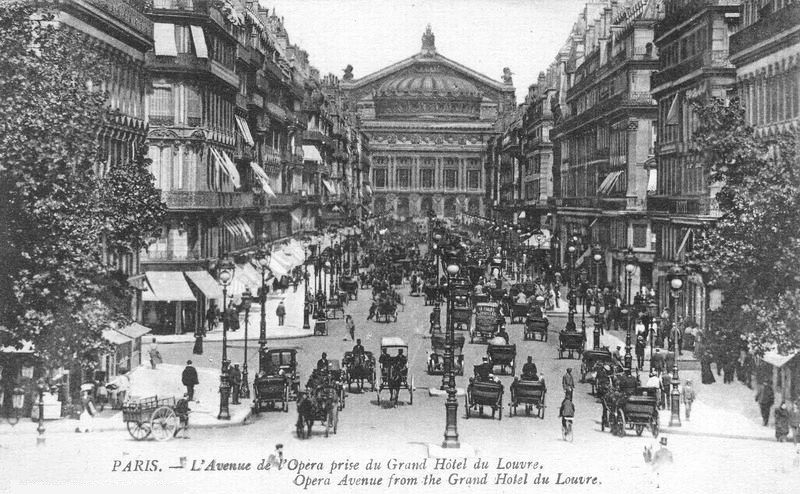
pixel 322 363
pixel 765 399
pixel 640 346
pixel 568 382
pixel 657 361
pixel 483 370
pixel 189 379
pixel 529 370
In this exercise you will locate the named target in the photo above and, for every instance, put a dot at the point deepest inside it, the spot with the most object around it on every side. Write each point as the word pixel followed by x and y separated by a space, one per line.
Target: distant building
pixel 428 119
pixel 692 41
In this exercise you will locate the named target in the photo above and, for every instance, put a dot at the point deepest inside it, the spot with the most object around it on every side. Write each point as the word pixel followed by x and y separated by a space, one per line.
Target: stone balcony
pixel 184 200
pixel 187 63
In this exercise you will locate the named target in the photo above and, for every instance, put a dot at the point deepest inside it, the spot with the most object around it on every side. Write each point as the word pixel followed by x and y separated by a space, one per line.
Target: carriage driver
pixel 384 360
pixel 322 363
pixel 358 349
pixel 503 334
pixel 402 362
pixel 483 370
pixel 529 370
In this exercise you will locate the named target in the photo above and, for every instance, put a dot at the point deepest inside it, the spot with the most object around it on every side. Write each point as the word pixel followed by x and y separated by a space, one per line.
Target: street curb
pixel 205 342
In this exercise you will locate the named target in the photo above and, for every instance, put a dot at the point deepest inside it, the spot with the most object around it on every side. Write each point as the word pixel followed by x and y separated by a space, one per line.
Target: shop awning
pixel 167 286
pixel 608 183
pixel 134 330
pixel 582 257
pixel 225 166
pixel 244 129
pixel 328 186
pixel 115 337
pixel 164 39
pixel 311 153
pixel 205 283
pixel 237 181
pixel 263 178
pixel 199 40
pixel 774 358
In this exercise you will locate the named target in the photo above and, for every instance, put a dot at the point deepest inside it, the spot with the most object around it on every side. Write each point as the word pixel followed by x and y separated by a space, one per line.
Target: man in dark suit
pixel 189 379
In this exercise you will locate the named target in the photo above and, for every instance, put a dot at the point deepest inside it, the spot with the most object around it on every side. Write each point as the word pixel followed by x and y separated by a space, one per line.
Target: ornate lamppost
pixel 226 271
pixel 451 404
pixel 630 267
pixel 263 258
pixel 572 248
pixel 247 301
pixel 306 301
pixel 652 313
pixel 597 257
pixel 676 276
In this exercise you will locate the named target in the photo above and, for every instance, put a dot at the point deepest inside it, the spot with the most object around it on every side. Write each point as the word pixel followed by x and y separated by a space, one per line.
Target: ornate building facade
pixel 428 120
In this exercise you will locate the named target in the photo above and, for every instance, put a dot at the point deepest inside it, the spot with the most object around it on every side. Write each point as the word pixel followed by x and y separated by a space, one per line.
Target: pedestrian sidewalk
pixel 720 410
pixel 164 382
pixel 292 328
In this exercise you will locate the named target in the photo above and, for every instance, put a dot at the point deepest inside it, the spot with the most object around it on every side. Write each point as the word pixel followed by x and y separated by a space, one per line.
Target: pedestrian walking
pixel 782 423
pixel 280 311
pixel 189 379
pixel 211 317
pixel 653 381
pixel 88 410
pixel 765 398
pixel 182 411
pixel 794 420
pixel 236 383
pixel 666 380
pixel 640 345
pixel 351 326
pixel 155 355
pixel 688 395
pixel 657 361
pixel 233 317
pixel 568 383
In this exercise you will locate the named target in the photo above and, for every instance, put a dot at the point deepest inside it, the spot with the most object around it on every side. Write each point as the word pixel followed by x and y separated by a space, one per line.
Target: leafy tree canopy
pixel 56 214
pixel 753 250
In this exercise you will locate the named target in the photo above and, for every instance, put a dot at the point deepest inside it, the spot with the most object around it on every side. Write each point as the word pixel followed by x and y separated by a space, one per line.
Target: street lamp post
pixel 40 387
pixel 652 312
pixel 597 256
pixel 226 271
pixel 675 277
pixel 572 248
pixel 247 301
pixel 306 301
pixel 630 267
pixel 263 258
pixel 451 404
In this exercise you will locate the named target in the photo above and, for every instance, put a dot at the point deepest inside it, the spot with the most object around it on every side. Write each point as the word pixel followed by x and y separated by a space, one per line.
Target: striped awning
pixel 311 153
pixel 608 183
pixel 199 41
pixel 167 286
pixel 205 283
pixel 263 178
pixel 244 129
pixel 227 166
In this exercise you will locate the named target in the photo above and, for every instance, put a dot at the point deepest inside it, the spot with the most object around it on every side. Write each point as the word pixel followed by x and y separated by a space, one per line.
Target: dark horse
pixel 359 369
pixel 613 401
pixel 396 373
pixel 322 405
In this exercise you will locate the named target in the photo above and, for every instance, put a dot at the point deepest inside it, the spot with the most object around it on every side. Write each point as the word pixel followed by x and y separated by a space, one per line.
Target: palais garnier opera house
pixel 428 119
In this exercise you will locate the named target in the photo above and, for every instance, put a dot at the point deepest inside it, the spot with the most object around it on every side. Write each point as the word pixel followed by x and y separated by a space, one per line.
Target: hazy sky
pixel 485 35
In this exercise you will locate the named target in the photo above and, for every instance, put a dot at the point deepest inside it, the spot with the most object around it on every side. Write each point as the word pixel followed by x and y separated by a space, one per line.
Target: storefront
pixel 169 306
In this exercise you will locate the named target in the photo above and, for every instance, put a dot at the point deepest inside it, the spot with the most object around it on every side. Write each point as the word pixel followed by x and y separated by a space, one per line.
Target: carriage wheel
pixel 540 412
pixel 500 411
pixel 286 399
pixel 544 335
pixel 139 430
pixel 511 409
pixel 164 423
pixel 466 406
pixel 335 419
pixel 654 428
pixel 639 429
pixel 411 391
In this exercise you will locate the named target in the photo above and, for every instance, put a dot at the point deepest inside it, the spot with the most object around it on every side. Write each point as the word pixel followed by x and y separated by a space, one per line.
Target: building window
pixel 379 178
pixel 194 107
pixel 640 236
pixel 162 110
pixel 474 179
pixel 451 179
pixel 403 178
pixel 426 177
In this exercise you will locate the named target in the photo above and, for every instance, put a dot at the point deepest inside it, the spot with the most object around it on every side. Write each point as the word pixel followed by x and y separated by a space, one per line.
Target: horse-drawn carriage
pixel 386 309
pixel 536 326
pixel 484 394
pixel 436 358
pixel 571 342
pixel 359 368
pixel 638 410
pixel 504 356
pixel 519 312
pixel 528 393
pixel 394 369
pixel 349 285
pixel 283 361
pixel 432 293
pixel 151 416
pixel 268 391
pixel 486 322
pixel 318 404
pixel 591 362
pixel 332 306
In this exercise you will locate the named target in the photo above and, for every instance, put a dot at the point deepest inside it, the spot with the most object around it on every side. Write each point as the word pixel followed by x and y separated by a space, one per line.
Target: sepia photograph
pixel 434 246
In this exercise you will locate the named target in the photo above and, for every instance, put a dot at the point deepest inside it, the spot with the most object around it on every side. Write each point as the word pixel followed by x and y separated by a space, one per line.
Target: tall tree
pixel 55 213
pixel 752 249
